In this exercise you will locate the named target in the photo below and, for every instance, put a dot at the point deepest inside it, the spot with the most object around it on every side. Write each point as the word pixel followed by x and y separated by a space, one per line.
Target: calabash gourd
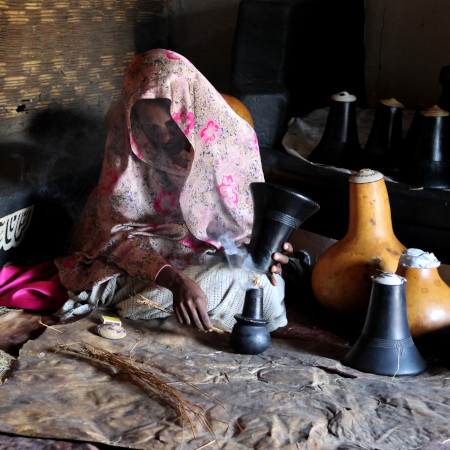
pixel 239 108
pixel 427 294
pixel 341 279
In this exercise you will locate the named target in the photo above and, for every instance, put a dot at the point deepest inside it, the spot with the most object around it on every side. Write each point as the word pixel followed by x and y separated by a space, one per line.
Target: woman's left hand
pixel 280 258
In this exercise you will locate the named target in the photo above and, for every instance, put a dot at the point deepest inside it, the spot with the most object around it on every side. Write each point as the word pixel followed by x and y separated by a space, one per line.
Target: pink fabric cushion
pixel 32 287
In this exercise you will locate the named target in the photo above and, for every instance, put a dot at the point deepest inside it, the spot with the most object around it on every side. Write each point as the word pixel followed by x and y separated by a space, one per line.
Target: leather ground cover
pixel 295 395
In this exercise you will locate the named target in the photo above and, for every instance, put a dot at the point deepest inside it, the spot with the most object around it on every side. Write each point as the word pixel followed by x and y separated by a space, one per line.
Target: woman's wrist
pixel 166 276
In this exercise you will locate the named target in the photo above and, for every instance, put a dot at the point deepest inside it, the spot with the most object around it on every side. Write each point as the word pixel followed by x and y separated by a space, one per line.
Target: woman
pixel 173 194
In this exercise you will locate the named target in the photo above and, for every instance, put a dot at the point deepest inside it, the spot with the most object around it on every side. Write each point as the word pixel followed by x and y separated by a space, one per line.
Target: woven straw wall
pixel 67 53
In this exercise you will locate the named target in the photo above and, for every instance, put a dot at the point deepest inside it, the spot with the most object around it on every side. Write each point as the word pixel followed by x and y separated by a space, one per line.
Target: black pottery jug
pixel 250 335
pixel 382 151
pixel 278 211
pixel 385 346
pixel 429 163
pixel 340 145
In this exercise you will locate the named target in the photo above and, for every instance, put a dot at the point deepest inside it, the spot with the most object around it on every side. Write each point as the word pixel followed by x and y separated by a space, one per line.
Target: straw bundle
pixel 139 373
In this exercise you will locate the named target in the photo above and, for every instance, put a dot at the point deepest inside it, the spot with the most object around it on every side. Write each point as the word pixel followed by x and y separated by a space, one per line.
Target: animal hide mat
pixel 295 395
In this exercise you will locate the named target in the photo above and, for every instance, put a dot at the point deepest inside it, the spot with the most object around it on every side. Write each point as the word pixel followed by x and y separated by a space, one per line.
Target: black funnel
pixel 385 346
pixel 250 335
pixel 278 211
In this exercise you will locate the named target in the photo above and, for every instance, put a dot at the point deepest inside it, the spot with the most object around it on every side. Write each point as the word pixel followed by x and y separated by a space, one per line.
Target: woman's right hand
pixel 189 301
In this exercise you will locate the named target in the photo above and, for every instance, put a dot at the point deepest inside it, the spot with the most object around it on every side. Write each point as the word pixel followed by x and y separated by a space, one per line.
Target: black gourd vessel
pixel 250 335
pixel 385 346
pixel 429 164
pixel 340 145
pixel 383 148
pixel 278 211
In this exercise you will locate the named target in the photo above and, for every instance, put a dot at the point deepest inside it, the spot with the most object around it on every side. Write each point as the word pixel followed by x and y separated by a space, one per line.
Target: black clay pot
pixel 278 211
pixel 382 151
pixel 385 346
pixel 250 335
pixel 340 145
pixel 429 164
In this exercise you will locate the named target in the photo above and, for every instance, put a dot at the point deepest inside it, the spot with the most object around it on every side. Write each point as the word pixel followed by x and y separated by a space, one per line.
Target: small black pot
pixel 385 346
pixel 340 145
pixel 250 335
pixel 278 211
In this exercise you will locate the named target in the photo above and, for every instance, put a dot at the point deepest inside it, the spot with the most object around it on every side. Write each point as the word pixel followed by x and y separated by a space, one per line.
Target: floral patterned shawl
pixel 149 210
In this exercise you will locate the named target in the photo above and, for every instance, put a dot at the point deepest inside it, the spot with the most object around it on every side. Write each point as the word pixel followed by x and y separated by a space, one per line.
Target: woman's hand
pixel 189 301
pixel 281 258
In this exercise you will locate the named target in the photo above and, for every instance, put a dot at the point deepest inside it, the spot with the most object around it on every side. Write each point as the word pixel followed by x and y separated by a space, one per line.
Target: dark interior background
pixel 61 65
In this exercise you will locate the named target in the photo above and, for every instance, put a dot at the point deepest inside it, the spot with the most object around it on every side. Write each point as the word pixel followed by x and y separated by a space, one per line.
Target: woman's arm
pixel 139 257
pixel 189 301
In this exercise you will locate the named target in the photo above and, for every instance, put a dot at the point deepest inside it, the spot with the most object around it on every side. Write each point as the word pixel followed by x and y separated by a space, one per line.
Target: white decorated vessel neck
pixel 415 258
pixel 389 279
pixel 366 176
pixel 343 96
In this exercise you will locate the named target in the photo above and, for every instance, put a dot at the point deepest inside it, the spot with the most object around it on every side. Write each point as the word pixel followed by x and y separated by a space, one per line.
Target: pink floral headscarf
pixel 149 210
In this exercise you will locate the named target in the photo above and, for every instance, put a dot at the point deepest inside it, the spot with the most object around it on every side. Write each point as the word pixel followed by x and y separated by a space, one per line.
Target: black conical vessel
pixel 429 165
pixel 383 148
pixel 385 346
pixel 250 335
pixel 278 211
pixel 340 145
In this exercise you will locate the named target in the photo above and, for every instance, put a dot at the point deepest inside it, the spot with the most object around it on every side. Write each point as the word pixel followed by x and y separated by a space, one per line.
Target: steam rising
pixel 238 257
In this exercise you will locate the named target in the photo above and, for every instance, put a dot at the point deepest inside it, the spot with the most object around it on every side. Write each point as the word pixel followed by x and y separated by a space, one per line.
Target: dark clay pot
pixel 429 163
pixel 250 335
pixel 340 145
pixel 278 211
pixel 385 346
pixel 382 151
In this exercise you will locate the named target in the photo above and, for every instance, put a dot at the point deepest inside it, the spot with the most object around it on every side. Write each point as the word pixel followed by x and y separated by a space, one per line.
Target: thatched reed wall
pixel 70 54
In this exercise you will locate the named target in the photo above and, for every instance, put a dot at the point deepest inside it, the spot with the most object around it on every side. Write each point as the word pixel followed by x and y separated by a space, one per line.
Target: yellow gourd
pixel 239 108
pixel 341 279
pixel 427 294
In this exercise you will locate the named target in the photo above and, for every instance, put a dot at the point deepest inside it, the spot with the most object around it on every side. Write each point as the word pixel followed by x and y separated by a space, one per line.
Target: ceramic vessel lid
pixel 415 258
pixel 343 96
pixel 366 176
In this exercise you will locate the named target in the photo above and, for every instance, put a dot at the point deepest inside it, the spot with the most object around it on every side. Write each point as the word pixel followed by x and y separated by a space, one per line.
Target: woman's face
pixel 152 117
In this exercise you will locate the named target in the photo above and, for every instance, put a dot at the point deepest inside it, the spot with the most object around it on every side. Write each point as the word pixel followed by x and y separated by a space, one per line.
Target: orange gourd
pixel 239 108
pixel 341 279
pixel 427 296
